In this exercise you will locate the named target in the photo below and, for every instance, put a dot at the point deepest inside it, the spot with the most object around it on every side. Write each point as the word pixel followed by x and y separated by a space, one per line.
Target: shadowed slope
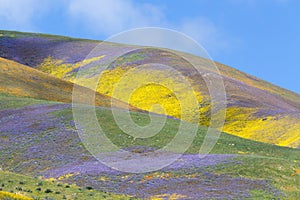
pixel 31 49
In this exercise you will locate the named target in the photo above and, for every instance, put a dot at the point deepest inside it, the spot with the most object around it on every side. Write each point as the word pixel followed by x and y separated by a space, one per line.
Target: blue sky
pixel 260 37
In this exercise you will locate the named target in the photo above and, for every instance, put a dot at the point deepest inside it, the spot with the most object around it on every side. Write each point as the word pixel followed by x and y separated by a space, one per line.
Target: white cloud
pixel 113 16
pixel 106 17
pixel 19 14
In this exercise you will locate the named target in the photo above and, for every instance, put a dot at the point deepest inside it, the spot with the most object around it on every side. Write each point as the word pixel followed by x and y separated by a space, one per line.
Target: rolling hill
pixel 256 109
pixel 39 139
pixel 42 155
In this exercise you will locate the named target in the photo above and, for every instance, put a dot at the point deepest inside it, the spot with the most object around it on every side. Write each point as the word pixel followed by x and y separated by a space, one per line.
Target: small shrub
pixel 89 188
pixel 57 192
pixel 38 189
pixel 67 186
pixel 21 183
pixel 19 188
pixel 48 191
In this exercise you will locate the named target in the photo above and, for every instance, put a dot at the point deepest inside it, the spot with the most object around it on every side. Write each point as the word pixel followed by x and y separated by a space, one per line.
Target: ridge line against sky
pixel 258 37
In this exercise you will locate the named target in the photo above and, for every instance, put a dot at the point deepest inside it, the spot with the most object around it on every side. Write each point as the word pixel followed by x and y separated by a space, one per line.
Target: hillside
pixel 19 80
pixel 21 187
pixel 256 109
pixel 45 144
pixel 43 154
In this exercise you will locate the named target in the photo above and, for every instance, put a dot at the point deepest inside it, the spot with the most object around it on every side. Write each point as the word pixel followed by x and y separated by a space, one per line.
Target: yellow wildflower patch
pixel 8 195
pixel 66 176
pixel 104 178
pixel 165 92
pixel 144 88
pixel 61 70
pixel 51 179
pixel 168 196
pixel 240 122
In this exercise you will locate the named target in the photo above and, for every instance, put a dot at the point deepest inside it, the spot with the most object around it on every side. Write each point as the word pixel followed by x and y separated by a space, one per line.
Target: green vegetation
pixel 176 98
pixel 255 160
pixel 20 187
pixel 280 173
pixel 278 166
pixel 227 144
pixel 11 102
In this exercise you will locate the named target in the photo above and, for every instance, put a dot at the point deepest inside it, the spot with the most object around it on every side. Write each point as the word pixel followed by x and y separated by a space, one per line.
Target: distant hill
pixel 256 109
pixel 31 49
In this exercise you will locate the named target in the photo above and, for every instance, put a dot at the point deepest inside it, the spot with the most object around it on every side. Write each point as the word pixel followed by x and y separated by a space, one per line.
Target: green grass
pixel 36 188
pixel 227 144
pixel 260 194
pixel 255 160
pixel 128 58
pixel 11 102
pixel 280 173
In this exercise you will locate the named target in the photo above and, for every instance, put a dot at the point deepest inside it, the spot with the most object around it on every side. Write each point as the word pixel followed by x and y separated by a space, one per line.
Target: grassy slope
pixel 256 161
pixel 21 187
pixel 255 108
pixel 8 101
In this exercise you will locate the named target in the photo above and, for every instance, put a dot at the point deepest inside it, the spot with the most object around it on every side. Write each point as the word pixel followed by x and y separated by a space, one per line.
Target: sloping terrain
pixel 43 157
pixel 31 49
pixel 40 140
pixel 20 187
pixel 20 80
pixel 255 109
